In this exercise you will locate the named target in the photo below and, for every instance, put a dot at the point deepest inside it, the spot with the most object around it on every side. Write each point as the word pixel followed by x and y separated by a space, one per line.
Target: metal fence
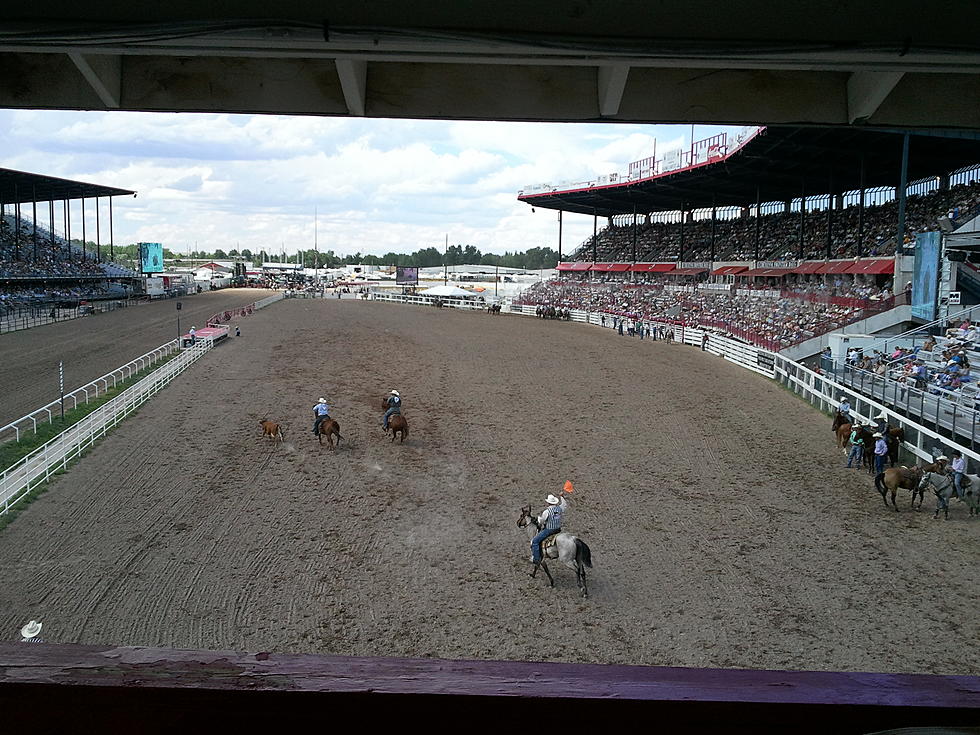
pixel 14 319
pixel 54 456
pixel 83 395
pixel 242 311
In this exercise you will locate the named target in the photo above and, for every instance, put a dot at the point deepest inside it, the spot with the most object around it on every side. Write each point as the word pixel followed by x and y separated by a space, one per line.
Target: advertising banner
pixel 151 257
pixel 406 274
pixel 925 276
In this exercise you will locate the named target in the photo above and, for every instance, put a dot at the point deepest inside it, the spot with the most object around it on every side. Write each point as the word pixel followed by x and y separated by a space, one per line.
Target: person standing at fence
pixel 639 328
pixel 193 334
pixel 857 448
pixel 704 341
pixel 620 328
pixel 881 452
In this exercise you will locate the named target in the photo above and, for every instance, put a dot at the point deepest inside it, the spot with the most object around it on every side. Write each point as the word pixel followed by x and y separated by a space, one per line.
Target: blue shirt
pixel 881 447
pixel 394 402
pixel 322 409
pixel 845 407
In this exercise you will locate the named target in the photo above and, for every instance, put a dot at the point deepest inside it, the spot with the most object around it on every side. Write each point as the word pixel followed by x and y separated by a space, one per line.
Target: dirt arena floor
pixel 92 346
pixel 724 528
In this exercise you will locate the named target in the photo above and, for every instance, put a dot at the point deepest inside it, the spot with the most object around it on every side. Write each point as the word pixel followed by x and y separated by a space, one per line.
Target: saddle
pixel 552 540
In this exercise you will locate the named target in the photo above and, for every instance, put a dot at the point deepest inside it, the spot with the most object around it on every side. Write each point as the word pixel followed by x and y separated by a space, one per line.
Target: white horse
pixel 570 550
pixel 944 488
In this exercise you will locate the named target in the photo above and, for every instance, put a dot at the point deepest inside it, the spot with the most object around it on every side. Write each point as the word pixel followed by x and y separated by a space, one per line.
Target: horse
pixel 896 477
pixel 493 309
pixel 396 424
pixel 271 429
pixel 570 550
pixel 329 428
pixel 843 431
pixel 943 486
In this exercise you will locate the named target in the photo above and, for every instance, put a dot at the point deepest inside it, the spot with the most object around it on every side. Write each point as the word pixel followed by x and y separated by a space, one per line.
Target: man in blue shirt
pixel 845 409
pixel 958 466
pixel 394 405
pixel 881 452
pixel 321 411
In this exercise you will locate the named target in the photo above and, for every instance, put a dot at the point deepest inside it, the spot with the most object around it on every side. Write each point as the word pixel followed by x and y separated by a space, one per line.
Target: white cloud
pixel 221 181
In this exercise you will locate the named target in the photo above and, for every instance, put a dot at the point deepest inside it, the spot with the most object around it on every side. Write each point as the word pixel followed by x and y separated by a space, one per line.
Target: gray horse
pixel 570 550
pixel 944 488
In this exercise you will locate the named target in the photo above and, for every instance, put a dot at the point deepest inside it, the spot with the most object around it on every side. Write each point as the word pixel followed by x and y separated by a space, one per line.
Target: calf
pixel 271 429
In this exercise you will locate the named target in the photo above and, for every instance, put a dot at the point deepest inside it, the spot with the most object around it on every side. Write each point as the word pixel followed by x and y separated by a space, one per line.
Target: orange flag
pixel 568 486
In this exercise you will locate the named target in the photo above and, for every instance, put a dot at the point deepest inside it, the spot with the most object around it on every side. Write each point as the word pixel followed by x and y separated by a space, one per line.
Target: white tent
pixel 446 291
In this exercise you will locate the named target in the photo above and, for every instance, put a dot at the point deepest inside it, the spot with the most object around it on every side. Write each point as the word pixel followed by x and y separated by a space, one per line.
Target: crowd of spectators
pixel 939 366
pixel 21 257
pixel 15 298
pixel 769 320
pixel 779 233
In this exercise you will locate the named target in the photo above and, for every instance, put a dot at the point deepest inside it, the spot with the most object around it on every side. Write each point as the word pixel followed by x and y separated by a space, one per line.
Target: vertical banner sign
pixel 61 387
pixel 925 276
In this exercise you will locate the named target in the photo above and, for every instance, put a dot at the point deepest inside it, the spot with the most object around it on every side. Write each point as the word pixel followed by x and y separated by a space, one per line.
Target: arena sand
pixel 724 528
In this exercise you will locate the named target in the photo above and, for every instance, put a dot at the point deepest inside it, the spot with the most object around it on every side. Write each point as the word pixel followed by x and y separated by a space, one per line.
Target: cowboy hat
pixel 322 400
pixel 877 435
pixel 552 500
pixel 882 415
pixel 31 629
pixel 942 458
pixel 843 398
pixel 395 393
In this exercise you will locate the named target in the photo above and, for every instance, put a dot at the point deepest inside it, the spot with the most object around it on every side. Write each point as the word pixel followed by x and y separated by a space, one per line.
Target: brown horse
pixel 397 423
pixel 329 428
pixel 908 477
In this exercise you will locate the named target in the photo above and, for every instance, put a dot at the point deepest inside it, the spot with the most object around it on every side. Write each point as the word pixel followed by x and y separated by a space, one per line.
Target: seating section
pixel 779 233
pixel 50 258
pixel 769 320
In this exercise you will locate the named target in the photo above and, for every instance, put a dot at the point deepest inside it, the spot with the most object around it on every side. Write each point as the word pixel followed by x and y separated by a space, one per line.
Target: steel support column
pixel 802 216
pixel 861 248
pixel 902 186
pixel 758 221
pixel 714 219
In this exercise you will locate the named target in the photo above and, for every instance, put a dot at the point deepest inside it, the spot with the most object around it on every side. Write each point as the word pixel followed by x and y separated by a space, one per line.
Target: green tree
pixel 219 254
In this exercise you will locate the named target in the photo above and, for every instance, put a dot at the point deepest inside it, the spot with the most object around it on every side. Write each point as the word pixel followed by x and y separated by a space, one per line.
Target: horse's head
pixel 526 517
pixel 925 480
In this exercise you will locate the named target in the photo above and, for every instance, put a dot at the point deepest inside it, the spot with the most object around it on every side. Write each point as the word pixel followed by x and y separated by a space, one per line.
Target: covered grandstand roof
pixel 774 166
pixel 23 187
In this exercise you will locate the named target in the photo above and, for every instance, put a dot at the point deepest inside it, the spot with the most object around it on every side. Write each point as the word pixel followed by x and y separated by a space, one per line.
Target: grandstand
pixel 779 235
pixel 40 268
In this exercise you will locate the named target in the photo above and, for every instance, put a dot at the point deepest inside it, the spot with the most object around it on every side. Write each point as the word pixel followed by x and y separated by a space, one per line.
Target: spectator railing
pixel 37 467
pixel 420 300
pixel 86 393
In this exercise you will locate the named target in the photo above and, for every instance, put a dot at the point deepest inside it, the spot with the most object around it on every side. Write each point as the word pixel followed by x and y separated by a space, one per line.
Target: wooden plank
pixel 116 689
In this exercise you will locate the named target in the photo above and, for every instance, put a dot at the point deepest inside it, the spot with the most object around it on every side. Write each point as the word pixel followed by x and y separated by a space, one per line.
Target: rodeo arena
pixel 718 469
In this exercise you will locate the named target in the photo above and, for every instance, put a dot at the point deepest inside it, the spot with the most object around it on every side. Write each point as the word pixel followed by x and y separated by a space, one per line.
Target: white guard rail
pixel 458 303
pixel 38 467
pixel 86 393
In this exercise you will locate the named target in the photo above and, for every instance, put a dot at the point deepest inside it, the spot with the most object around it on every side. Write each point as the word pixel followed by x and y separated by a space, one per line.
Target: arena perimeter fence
pixel 820 390
pixel 240 311
pixel 38 466
pixel 86 393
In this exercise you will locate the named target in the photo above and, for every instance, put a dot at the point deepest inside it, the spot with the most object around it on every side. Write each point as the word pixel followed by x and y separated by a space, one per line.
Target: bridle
pixel 527 519
pixel 936 489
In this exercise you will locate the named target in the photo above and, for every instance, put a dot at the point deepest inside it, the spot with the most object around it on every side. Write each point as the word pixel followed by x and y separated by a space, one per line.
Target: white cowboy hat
pixel 552 500
pixel 843 398
pixel 882 415
pixel 942 458
pixel 877 435
pixel 395 393
pixel 322 400
pixel 31 629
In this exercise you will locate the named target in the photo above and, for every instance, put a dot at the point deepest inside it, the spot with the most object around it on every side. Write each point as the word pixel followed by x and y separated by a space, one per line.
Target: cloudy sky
pixel 252 181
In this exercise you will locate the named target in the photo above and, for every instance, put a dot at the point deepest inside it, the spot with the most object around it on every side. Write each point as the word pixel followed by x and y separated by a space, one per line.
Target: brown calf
pixel 271 429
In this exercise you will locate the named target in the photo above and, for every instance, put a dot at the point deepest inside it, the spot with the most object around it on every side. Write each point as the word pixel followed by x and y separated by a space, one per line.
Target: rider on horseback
pixel 549 522
pixel 394 405
pixel 845 409
pixel 958 466
pixel 322 412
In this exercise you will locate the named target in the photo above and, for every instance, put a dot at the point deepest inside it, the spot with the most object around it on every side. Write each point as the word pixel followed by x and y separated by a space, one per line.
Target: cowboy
pixel 845 409
pixel 881 451
pixel 549 522
pixel 322 412
pixel 193 334
pixel 857 448
pixel 958 466
pixel 394 405
pixel 881 421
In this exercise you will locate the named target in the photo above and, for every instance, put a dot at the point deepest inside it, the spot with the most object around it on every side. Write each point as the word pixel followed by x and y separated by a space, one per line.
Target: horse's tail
pixel 583 554
pixel 880 483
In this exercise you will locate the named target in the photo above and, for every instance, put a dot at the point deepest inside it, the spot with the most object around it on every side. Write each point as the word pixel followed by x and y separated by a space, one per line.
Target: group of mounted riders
pixel 874 444
pixel 325 425
pixel 551 312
